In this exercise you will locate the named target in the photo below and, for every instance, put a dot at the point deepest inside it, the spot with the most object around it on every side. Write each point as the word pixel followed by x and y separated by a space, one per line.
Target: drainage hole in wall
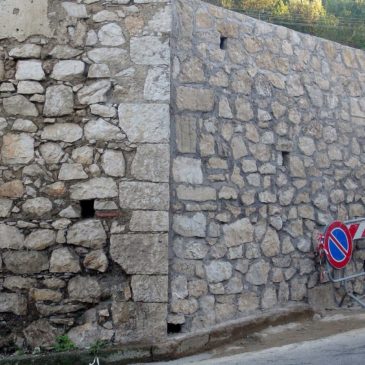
pixel 285 156
pixel 224 41
pixel 173 328
pixel 87 208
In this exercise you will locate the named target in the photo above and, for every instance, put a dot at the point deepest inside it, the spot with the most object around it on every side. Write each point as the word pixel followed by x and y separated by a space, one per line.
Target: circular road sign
pixel 338 245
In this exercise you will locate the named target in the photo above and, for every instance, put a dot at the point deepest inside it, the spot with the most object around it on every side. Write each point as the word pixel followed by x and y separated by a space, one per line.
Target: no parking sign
pixel 338 244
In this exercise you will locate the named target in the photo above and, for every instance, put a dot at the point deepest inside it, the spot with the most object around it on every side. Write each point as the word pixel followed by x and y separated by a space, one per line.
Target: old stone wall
pixel 84 171
pixel 268 146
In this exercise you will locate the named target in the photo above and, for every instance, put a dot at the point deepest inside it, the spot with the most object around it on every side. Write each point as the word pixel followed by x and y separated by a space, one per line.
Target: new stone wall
pixel 268 146
pixel 84 171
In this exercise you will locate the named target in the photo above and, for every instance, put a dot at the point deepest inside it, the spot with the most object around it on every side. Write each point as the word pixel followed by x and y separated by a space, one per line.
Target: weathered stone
pixel 218 271
pixel 94 93
pixel 26 51
pixel 19 105
pixel 89 233
pixel 307 146
pixel 59 101
pixel 17 149
pixel 41 295
pixel 144 195
pixel 84 289
pixel 244 110
pixel 151 163
pixel 238 232
pixel 269 298
pixel 75 10
pixel 64 260
pixel 298 288
pixel 96 188
pixel 186 136
pixel 11 238
pixel 193 99
pixel 99 71
pixel 258 273
pixel 64 52
pixel 150 289
pixel 105 16
pixel 113 163
pixel 148 123
pixel 37 207
pixel 127 250
pixel 5 207
pixel 190 226
pixel 15 283
pixel 157 84
pixel 88 334
pixel 51 152
pixel 149 50
pixel 41 334
pixel 149 221
pixel 184 306
pixel 111 35
pixel 248 302
pixel 109 56
pixel 40 239
pixel 191 249
pixel 72 171
pixel 100 130
pixel 26 262
pixel 296 167
pixel 187 170
pixel 68 70
pixel 12 189
pixel 13 303
pixel 96 260
pixel 30 87
pixel 29 70
pixel 271 244
pixel 198 193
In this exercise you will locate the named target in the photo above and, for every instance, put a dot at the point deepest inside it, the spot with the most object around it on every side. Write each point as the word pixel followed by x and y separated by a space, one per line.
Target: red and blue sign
pixel 338 244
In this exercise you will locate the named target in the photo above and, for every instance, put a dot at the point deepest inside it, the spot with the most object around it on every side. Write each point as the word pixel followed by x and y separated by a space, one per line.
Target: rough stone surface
pixel 59 101
pixel 64 260
pixel 96 188
pixel 89 233
pixel 149 289
pixel 41 334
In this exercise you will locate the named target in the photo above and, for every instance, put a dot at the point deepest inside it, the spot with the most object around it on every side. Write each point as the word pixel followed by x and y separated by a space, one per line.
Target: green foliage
pixel 96 347
pixel 63 343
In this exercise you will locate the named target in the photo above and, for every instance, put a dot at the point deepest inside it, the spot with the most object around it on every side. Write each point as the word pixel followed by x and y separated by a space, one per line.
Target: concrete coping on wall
pixel 176 346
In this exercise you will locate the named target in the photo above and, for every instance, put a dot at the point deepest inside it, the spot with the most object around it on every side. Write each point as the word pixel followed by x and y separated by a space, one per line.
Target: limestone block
pixel 37 207
pixel 194 99
pixel 5 207
pixel 157 84
pixel 218 271
pixel 12 189
pixel 24 125
pixel 41 334
pixel 83 155
pixel 113 163
pixel 190 226
pixel 184 306
pixel 96 188
pixel 63 260
pixel 15 283
pixel 11 238
pixel 19 105
pixel 144 195
pixel 150 289
pixel 100 130
pixel 103 111
pixel 196 193
pixel 105 16
pixel 59 101
pixel 72 171
pixel 238 232
pixel 75 10
pixel 94 93
pixel 13 303
pixel 51 152
pixel 17 149
pixel 30 87
pixel 179 287
pixel 26 262
pixel 258 273
pixel 29 70
pixel 109 56
pixel 68 70
pixel 149 221
pixel 150 50
pixel 84 289
pixel 271 244
pixel 88 334
pixel 146 123
pixel 188 170
pixel 40 239
pixel 152 163
pixel 64 52
pixel 144 254
pixel 191 249
pixel 111 35
pixel 244 110
pixel 99 71
pixel 27 50
pixel 40 295
pixel 186 136
pixel 88 233
pixel 96 260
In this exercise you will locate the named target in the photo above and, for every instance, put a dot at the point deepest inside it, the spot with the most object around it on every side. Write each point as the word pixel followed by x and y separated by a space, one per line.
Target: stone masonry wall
pixel 268 146
pixel 84 171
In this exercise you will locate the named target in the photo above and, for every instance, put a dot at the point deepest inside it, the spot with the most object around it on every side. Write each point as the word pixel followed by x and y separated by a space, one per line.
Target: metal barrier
pixel 335 248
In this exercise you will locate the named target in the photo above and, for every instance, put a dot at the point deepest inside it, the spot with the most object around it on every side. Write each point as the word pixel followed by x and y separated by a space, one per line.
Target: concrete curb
pixel 175 347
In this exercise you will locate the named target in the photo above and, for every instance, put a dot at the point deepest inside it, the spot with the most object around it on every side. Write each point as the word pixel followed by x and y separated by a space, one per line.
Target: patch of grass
pixel 64 344
pixel 96 347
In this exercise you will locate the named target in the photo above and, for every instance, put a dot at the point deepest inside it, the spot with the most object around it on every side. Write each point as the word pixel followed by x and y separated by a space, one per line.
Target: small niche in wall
pixel 87 208
pixel 285 158
pixel 223 44
pixel 173 328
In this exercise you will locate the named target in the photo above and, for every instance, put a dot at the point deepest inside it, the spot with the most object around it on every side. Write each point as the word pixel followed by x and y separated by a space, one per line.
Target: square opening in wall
pixel 87 208
pixel 285 158
pixel 223 44
pixel 174 328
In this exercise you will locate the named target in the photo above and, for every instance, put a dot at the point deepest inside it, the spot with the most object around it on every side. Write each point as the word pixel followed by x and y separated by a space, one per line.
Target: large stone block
pixel 17 149
pixel 63 260
pixel 100 130
pixel 26 262
pixel 113 163
pixel 11 238
pixel 94 93
pixel 196 193
pixel 150 289
pixel 19 105
pixel 96 188
pixel 68 70
pixel 258 273
pixel 188 170
pixel 238 232
pixel 66 132
pixel 186 134
pixel 59 101
pixel 218 271
pixel 12 189
pixel 190 226
pixel 40 239
pixel 140 253
pixel 144 195
pixel 29 70
pixel 152 163
pixel 41 334
pixel 190 248
pixel 84 289
pixel 13 303
pixel 194 99
pixel 149 221
pixel 89 233
pixel 146 123
pixel 37 207
pixel 150 50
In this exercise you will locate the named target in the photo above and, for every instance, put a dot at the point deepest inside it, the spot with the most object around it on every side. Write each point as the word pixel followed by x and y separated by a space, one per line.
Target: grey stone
pixel 151 163
pixel 184 306
pixel 196 193
pixel 37 207
pixel 17 149
pixel 99 71
pixel 238 232
pixel 149 221
pixel 191 249
pixel 63 260
pixel 96 188
pixel 187 170
pixel 64 52
pixel 40 239
pixel 26 51
pixel 89 233
pixel 103 111
pixel 145 123
pixel 59 101
pixel 149 50
pixel 127 250
pixel 143 195
pixel 218 271
pixel 248 302
pixel 186 136
pixel 193 99
pixel 109 56
pixel 11 238
pixel 150 289
pixel 72 171
pixel 96 260
pixel 94 93
pixel 15 283
pixel 5 207
pixel 190 226
pixel 271 244
pixel 105 16
pixel 157 84
pixel 111 35
pixel 13 303
pixel 29 70
pixel 51 152
pixel 75 10
pixel 66 132
pixel 41 334
pixel 68 70
pixel 88 334
pixel 258 273
pixel 24 125
pixel 244 110
pixel 30 87
pixel 269 298
pixel 100 130
pixel 19 105
pixel 26 262
pixel 113 163
pixel 84 289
